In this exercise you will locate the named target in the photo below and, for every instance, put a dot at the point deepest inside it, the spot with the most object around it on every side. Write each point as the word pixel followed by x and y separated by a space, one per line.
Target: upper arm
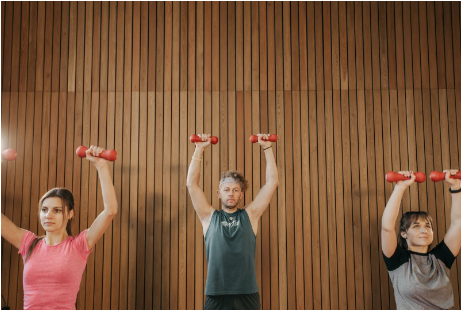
pixel 11 232
pixel 388 242
pixel 453 238
pixel 203 209
pixel 262 200
pixel 98 228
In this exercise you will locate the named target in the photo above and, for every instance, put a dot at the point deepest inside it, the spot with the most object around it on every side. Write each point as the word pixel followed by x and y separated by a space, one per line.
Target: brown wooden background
pixel 353 90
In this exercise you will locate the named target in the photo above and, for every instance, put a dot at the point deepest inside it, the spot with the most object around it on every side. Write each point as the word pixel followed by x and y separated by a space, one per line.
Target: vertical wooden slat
pixel 151 83
pixel 18 113
pixel 23 56
pixel 432 45
pixel 48 47
pixel 61 136
pixel 295 46
pixel 222 47
pixel 356 197
pixel 134 226
pixel 441 76
pixel 150 166
pixel 72 47
pixel 7 34
pixel 144 54
pixel 142 200
pixel 16 47
pixel 125 198
pixel 104 51
pixel 32 46
pixel 136 46
pixel 166 210
pixel 96 54
pixel 215 46
pixel 56 47
pixel 456 43
pixel 116 239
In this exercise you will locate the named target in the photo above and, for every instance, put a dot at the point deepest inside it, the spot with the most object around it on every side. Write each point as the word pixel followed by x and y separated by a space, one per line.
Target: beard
pixel 231 206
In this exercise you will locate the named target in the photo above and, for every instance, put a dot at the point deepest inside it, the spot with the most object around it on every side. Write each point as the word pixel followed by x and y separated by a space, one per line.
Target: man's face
pixel 230 194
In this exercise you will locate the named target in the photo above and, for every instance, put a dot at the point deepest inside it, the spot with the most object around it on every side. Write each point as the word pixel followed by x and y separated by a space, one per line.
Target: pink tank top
pixel 52 274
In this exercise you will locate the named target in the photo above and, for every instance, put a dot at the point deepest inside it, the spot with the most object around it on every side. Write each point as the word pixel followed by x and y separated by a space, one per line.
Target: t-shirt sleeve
pixel 26 241
pixel 399 258
pixel 443 253
pixel 81 244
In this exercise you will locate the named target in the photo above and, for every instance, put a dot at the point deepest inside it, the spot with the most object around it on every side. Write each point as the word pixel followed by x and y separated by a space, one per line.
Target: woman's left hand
pixel 92 155
pixel 455 184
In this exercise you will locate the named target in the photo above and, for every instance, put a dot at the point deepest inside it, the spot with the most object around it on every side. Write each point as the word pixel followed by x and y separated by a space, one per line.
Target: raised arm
pixel 11 232
pixel 203 209
pixel 391 212
pixel 453 237
pixel 103 220
pixel 256 208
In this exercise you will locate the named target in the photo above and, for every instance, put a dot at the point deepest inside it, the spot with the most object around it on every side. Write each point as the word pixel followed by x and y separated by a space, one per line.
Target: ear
pixel 71 214
pixel 403 234
pixel 219 195
pixel 241 195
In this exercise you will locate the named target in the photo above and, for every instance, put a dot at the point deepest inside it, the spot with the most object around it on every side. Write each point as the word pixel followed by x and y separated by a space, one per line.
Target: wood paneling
pixel 353 90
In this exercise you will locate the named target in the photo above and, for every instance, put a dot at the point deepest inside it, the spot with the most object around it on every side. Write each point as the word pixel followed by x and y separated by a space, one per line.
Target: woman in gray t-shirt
pixel 421 278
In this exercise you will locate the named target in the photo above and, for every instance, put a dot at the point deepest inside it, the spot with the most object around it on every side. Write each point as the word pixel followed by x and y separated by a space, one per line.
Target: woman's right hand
pixel 206 141
pixel 406 183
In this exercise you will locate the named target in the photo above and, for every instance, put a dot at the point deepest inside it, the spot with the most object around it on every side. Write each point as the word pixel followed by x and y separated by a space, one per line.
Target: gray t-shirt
pixel 422 281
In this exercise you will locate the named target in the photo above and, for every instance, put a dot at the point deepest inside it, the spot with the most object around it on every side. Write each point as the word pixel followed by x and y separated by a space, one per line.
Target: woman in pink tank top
pixel 54 263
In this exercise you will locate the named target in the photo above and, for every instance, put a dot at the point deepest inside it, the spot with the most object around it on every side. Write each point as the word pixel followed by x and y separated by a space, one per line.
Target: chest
pixel 54 265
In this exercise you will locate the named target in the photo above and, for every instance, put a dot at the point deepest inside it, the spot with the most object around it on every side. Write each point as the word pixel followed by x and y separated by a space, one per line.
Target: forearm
pixel 107 189
pixel 271 168
pixel 391 211
pixel 193 176
pixel 456 208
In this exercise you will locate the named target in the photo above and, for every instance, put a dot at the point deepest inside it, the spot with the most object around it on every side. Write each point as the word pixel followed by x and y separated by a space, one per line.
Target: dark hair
pixel 68 205
pixel 239 178
pixel 405 223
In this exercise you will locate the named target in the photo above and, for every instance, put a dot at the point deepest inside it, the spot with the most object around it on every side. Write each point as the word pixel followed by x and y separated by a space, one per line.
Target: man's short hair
pixel 238 177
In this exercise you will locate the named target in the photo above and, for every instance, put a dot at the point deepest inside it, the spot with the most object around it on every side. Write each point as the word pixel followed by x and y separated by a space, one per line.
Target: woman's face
pixel 52 215
pixel 419 234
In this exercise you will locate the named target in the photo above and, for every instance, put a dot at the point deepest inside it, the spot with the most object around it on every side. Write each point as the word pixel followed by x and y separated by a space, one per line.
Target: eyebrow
pixel 51 207
pixel 417 223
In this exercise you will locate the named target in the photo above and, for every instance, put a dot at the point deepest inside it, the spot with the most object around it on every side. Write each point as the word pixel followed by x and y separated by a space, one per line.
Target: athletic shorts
pixel 233 302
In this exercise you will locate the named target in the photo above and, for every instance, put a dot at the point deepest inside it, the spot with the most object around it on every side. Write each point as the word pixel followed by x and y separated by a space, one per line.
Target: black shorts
pixel 233 302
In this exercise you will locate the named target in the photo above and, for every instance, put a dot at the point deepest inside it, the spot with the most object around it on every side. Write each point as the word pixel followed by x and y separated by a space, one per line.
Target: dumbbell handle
pixel 196 139
pixel 9 154
pixel 110 155
pixel 272 138
pixel 438 176
pixel 393 177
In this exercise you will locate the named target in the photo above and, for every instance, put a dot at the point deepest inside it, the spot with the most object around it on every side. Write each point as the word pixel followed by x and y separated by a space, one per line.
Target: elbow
pixel 112 210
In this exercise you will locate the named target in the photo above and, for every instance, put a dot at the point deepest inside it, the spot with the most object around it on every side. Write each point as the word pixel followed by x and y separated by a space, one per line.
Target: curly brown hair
pixel 239 178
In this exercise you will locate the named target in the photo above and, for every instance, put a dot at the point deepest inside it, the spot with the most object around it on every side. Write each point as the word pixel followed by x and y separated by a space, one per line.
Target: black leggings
pixel 233 302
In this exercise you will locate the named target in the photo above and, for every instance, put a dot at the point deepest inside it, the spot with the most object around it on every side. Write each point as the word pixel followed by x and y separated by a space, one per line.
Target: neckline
pixel 420 254
pixel 44 242
pixel 230 214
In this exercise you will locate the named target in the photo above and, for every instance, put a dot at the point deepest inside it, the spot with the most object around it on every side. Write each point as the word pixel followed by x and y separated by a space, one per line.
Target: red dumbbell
pixel 9 154
pixel 272 138
pixel 110 155
pixel 196 139
pixel 393 177
pixel 438 176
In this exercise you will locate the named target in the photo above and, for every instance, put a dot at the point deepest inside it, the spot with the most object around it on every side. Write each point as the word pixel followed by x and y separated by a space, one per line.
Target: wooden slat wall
pixel 353 90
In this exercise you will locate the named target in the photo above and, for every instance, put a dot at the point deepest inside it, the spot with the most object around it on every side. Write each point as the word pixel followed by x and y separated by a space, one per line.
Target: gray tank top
pixel 230 245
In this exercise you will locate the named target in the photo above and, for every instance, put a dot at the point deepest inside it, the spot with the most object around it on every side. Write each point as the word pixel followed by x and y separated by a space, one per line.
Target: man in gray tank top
pixel 230 233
